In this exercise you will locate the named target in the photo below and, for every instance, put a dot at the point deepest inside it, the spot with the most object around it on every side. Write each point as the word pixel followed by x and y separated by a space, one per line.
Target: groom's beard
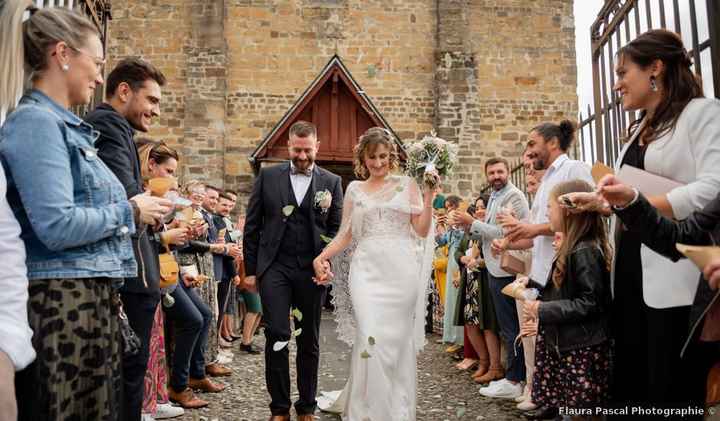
pixel 303 164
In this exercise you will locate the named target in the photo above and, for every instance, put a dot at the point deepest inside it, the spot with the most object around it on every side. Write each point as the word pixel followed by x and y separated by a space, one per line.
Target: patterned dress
pixel 77 376
pixel 156 375
pixel 578 378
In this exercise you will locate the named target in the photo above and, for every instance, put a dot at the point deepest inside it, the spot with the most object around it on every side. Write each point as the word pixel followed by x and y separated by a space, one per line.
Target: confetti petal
pixel 278 346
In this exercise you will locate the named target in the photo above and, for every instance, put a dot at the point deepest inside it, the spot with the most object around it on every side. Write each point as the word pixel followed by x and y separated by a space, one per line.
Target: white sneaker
pixel 147 417
pixel 168 410
pixel 493 385
pixel 503 389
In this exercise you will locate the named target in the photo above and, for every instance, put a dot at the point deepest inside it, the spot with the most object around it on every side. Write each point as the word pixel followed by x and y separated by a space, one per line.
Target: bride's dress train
pixel 380 290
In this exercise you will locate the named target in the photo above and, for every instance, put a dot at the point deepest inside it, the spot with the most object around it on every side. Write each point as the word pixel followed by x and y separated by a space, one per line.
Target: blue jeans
pixel 191 320
pixel 507 318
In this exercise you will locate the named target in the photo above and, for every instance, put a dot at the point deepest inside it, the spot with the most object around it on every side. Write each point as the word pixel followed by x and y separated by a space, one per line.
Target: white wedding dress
pixel 379 288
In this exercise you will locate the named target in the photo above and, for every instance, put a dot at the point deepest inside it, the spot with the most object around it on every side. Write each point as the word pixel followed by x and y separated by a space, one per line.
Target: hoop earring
pixel 653 84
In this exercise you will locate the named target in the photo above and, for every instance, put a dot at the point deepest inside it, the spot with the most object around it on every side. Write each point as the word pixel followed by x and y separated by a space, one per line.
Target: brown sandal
pixel 490 375
pixel 482 368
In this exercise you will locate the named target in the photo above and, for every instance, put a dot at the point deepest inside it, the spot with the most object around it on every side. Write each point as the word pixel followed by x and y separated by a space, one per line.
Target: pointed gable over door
pixel 339 108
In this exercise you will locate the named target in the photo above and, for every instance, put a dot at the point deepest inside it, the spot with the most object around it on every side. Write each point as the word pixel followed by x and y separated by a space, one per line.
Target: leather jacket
pixel 701 228
pixel 575 315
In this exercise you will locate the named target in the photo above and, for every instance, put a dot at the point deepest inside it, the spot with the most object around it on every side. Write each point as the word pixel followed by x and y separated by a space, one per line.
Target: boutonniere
pixel 323 200
pixel 287 211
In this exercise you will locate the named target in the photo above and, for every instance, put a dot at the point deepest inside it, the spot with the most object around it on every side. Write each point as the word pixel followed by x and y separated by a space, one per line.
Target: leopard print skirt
pixel 76 375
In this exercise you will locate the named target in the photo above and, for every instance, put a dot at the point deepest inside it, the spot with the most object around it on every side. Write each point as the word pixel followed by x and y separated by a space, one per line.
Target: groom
pixel 291 206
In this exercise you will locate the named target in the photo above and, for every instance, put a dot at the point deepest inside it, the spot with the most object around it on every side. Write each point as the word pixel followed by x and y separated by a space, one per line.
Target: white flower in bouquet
pixel 430 159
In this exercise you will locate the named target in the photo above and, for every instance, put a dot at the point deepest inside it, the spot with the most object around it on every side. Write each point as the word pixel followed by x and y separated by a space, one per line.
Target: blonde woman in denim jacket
pixel 74 216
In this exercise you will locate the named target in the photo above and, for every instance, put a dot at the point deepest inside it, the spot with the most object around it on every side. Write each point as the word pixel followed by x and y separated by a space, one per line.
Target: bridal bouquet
pixel 429 158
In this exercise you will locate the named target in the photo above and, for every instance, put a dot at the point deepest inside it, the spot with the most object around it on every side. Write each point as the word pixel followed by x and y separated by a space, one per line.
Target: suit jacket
pixel 116 147
pixel 265 221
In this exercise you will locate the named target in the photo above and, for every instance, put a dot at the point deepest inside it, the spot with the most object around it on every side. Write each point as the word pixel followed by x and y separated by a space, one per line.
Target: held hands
pixel 323 274
pixel 614 192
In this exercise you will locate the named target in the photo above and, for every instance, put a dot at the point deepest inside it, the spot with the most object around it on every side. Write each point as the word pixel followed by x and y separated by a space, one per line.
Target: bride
pixel 382 260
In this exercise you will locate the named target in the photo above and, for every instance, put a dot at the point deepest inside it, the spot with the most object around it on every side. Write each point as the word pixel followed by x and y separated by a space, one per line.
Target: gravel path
pixel 443 392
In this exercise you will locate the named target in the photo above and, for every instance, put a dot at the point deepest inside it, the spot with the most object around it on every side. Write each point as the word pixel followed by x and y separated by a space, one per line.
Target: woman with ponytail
pixel 74 216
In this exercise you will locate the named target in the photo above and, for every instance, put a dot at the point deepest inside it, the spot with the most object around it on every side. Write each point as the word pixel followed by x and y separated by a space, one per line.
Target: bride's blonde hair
pixel 369 141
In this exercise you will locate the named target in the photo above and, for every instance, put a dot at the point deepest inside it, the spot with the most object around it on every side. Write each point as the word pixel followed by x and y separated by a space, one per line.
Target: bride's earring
pixel 65 67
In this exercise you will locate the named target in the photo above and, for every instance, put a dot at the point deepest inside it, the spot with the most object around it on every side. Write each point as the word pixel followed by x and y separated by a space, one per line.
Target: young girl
pixel 573 347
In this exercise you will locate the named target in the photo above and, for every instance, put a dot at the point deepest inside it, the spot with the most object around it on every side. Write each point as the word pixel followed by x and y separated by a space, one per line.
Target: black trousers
pixel 281 289
pixel 140 310
pixel 648 370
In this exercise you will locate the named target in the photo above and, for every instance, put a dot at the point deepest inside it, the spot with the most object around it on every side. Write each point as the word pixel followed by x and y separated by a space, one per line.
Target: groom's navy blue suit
pixel 279 250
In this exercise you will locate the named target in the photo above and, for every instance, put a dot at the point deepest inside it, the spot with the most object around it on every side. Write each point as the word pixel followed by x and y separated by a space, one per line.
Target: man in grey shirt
pixel 504 197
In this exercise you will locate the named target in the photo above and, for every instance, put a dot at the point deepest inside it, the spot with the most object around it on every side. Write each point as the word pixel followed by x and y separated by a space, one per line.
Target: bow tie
pixel 296 171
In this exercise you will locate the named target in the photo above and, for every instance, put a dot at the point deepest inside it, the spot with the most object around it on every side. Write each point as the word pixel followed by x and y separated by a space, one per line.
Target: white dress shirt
pixel 562 169
pixel 14 328
pixel 300 183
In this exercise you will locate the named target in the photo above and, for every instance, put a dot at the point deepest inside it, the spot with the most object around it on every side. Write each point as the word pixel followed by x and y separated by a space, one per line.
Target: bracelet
pixel 632 202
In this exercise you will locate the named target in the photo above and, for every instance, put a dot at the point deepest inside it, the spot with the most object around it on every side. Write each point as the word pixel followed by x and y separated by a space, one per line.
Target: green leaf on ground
pixel 297 314
pixel 297 332
pixel 364 355
pixel 371 340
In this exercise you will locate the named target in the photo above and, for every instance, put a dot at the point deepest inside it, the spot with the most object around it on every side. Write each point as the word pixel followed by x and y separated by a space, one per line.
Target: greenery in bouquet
pixel 430 159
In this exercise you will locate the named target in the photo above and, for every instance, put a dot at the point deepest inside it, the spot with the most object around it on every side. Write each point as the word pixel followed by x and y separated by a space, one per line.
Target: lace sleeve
pixel 425 255
pixel 344 243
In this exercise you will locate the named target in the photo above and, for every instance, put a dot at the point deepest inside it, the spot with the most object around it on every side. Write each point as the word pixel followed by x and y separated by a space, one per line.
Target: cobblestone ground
pixel 443 392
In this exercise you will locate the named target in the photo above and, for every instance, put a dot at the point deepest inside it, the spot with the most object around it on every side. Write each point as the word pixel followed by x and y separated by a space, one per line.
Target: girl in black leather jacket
pixel 573 346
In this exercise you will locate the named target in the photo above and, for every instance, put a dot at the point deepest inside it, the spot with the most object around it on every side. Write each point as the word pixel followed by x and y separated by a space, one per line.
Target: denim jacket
pixel 75 218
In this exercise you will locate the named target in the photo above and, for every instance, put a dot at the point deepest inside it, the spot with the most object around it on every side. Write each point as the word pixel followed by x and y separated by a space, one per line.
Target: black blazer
pixel 702 228
pixel 265 221
pixel 116 147
pixel 576 314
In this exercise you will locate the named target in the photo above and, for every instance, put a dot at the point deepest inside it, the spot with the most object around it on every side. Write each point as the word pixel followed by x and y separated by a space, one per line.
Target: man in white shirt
pixel 16 350
pixel 548 144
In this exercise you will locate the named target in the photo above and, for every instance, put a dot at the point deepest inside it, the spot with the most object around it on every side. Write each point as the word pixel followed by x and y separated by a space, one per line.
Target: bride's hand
pixel 323 275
